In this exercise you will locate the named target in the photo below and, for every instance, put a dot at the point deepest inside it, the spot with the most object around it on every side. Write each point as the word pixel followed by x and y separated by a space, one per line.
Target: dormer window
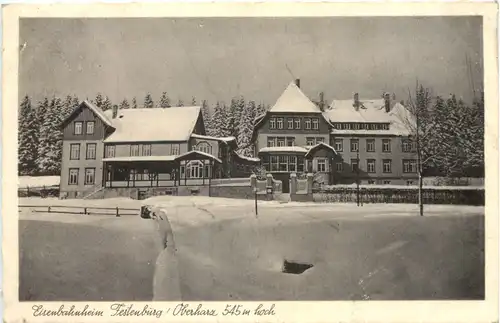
pixel 78 127
pixel 90 127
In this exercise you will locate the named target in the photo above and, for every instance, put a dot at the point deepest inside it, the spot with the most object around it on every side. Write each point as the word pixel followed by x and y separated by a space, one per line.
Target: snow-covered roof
pixel 250 159
pixel 99 113
pixel 153 124
pixel 224 139
pixel 321 144
pixel 140 158
pixel 181 156
pixel 291 149
pixel 370 111
pixel 295 101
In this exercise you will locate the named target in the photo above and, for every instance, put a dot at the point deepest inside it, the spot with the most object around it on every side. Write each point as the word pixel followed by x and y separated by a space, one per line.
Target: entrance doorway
pixel 285 180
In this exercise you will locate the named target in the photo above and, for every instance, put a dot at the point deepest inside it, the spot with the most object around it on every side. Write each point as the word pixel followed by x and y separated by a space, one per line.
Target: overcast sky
pixel 217 58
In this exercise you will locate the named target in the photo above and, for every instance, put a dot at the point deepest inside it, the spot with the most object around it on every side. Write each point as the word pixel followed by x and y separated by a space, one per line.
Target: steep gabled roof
pixel 97 111
pixel 153 124
pixel 319 146
pixel 293 100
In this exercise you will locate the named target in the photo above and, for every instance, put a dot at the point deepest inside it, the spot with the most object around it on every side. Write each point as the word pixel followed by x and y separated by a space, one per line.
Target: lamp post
pixel 357 176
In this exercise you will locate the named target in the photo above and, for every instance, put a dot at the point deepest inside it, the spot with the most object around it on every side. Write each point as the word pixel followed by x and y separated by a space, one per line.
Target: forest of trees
pixel 451 132
pixel 40 134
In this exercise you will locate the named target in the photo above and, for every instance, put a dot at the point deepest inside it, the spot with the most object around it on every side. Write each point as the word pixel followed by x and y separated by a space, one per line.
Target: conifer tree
pixel 99 100
pixel 28 138
pixel 68 106
pixel 124 104
pixel 106 105
pixel 180 103
pixel 206 117
pixel 164 101
pixel 75 102
pixel 148 101
pixel 42 149
pixel 247 124
pixel 218 121
pixel 134 103
pixel 193 101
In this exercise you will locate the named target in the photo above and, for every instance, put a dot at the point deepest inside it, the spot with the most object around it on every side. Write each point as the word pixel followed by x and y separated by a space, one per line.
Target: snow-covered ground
pixel 38 181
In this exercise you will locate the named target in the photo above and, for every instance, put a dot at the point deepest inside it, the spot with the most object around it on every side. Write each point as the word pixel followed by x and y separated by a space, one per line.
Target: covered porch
pixel 193 168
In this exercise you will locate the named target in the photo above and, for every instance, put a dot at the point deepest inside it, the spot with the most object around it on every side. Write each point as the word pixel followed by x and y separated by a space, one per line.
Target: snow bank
pixel 38 181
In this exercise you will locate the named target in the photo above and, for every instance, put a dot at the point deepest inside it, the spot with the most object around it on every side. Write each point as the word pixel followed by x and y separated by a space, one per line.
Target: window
pixel 339 144
pixel 339 167
pixel 78 127
pixel 89 176
pixel 387 182
pixel 90 127
pixel 370 145
pixel 409 183
pixel 292 163
pixel 320 139
pixel 290 141
pixel 91 148
pixel 73 176
pixel 194 169
pixel 134 150
pixel 280 123
pixel 355 126
pixel 407 145
pixel 110 151
pixel 204 147
pixel 370 165
pixel 354 165
pixel 146 150
pixel 409 166
pixel 208 171
pixel 74 152
pixel 297 123
pixel 290 123
pixel 265 162
pixel 307 123
pixel 175 150
pixel 387 166
pixel 300 164
pixel 310 141
pixel 371 182
pixel 315 123
pixel 274 163
pixel 145 175
pixel 272 123
pixel 321 165
pixel 281 142
pixel 354 144
pixel 271 141
pixel 386 145
pixel 283 163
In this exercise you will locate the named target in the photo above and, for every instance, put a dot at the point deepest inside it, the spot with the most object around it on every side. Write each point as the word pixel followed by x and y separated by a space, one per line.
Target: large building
pixel 122 152
pixel 357 139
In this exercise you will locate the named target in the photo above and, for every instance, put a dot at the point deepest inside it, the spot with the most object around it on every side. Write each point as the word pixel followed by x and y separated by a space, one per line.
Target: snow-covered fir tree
pixel 246 130
pixel 106 105
pixel 206 117
pixel 180 103
pixel 28 138
pixel 124 104
pixel 99 100
pixel 134 103
pixel 219 121
pixel 193 101
pixel 50 140
pixel 76 102
pixel 42 149
pixel 164 101
pixel 148 101
pixel 68 106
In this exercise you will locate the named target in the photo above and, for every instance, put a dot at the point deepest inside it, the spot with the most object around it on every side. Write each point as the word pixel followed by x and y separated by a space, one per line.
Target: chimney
pixel 387 102
pixel 356 101
pixel 297 82
pixel 115 111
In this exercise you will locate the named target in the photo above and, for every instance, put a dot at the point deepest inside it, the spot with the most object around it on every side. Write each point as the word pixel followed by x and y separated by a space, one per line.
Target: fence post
pixel 117 213
pixel 84 210
pixel 27 191
pixel 48 210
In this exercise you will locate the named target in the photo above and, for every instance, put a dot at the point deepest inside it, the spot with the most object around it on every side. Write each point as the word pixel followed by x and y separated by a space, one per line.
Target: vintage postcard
pixel 244 162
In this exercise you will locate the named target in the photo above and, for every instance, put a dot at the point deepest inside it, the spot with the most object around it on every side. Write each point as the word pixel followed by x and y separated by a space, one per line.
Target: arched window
pixel 195 169
pixel 204 146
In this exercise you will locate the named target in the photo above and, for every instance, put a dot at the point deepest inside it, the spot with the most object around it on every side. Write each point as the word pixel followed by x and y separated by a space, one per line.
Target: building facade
pixel 350 141
pixel 141 148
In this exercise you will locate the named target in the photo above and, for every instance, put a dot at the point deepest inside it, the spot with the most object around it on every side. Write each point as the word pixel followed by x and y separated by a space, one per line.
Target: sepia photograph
pixel 250 159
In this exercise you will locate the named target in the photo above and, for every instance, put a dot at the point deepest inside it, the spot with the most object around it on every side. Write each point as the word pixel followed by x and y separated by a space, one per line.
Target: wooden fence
pixel 39 191
pixel 435 195
pixel 84 210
